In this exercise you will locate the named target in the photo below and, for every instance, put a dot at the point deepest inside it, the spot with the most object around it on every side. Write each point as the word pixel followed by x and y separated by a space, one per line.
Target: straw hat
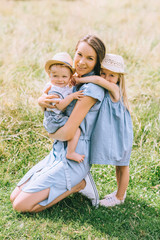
pixel 61 58
pixel 113 63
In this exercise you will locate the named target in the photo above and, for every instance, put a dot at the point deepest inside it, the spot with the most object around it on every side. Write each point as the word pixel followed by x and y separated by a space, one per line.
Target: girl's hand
pixel 78 95
pixel 75 80
pixel 72 82
pixel 45 100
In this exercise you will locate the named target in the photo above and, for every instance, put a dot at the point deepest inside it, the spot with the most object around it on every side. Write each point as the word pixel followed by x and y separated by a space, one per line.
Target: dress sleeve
pixel 94 91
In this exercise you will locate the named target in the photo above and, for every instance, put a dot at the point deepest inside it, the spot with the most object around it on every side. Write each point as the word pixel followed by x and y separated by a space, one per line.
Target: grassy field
pixel 30 33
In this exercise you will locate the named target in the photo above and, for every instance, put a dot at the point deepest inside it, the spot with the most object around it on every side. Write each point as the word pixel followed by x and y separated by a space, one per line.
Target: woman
pixel 56 177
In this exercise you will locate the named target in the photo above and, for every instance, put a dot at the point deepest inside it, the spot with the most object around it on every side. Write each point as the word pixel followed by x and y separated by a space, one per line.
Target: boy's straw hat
pixel 61 58
pixel 113 63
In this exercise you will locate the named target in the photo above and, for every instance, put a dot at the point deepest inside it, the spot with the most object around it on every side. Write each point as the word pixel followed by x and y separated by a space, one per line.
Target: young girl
pixel 112 137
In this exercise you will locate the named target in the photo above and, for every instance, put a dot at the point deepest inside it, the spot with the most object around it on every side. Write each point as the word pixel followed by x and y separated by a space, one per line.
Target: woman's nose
pixel 82 61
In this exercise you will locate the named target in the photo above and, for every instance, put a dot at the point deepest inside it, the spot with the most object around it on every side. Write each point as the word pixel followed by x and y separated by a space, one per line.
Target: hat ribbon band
pixel 67 64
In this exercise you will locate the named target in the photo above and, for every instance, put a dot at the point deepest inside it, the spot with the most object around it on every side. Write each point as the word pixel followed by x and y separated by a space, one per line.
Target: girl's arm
pixel 111 87
pixel 79 112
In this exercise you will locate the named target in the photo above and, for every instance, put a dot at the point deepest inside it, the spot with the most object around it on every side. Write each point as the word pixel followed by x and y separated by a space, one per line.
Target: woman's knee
pixel 18 206
pixel 21 205
pixel 12 197
pixel 26 202
pixel 14 194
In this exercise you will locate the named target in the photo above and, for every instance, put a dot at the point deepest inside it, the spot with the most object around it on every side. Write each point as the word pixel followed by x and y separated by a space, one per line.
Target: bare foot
pixel 75 157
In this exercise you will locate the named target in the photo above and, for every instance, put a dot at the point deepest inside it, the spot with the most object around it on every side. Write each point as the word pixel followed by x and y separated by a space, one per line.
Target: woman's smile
pixel 79 68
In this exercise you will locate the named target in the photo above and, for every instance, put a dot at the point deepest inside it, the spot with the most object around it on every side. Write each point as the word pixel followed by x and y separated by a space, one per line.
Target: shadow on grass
pixel 132 220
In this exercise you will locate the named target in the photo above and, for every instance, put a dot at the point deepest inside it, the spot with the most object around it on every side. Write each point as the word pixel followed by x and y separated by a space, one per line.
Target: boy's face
pixel 59 75
pixel 109 75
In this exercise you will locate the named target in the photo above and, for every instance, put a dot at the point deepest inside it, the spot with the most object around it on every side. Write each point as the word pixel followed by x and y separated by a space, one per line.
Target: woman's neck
pixel 85 75
pixel 89 74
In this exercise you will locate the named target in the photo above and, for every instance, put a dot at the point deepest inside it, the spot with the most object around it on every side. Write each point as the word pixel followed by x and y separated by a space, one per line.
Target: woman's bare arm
pixel 79 112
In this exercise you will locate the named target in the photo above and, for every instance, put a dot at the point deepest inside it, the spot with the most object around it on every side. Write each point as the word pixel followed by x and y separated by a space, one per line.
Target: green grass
pixel 33 31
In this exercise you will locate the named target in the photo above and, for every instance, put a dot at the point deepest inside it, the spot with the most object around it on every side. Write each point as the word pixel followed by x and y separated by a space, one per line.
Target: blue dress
pixel 112 137
pixel 55 171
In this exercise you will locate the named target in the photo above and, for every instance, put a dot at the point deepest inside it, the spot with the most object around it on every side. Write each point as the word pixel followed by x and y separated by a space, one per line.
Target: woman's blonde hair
pixel 123 93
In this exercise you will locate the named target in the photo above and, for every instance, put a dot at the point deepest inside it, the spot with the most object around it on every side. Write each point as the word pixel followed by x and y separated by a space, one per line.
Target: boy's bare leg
pixel 72 144
pixel 123 180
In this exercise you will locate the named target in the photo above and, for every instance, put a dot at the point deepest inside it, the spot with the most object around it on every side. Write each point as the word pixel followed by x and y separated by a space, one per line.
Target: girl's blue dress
pixel 55 171
pixel 112 137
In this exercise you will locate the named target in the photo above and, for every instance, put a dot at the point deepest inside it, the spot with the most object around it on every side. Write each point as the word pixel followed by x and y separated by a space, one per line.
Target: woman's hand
pixel 45 100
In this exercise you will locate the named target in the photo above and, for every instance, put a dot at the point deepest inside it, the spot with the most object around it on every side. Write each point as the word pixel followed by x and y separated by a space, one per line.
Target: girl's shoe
pixel 111 202
pixel 113 194
pixel 110 195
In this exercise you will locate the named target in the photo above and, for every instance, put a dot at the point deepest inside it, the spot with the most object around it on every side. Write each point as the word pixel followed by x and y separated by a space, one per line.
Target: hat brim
pixel 51 62
pixel 113 69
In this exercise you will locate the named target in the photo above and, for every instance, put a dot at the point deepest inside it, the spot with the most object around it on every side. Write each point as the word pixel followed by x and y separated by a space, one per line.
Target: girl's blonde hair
pixel 123 93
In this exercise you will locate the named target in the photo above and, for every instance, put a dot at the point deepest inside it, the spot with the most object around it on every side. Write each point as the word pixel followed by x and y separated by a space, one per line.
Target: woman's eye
pixel 79 54
pixel 90 58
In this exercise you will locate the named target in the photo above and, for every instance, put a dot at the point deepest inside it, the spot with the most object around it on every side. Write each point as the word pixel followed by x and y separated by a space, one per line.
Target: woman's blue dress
pixel 55 171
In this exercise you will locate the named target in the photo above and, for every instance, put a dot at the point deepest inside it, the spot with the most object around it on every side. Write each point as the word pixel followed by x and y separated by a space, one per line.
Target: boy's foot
pixel 113 194
pixel 111 202
pixel 75 157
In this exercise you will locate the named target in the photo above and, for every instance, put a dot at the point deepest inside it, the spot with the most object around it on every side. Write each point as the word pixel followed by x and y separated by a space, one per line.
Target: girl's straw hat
pixel 60 58
pixel 113 63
